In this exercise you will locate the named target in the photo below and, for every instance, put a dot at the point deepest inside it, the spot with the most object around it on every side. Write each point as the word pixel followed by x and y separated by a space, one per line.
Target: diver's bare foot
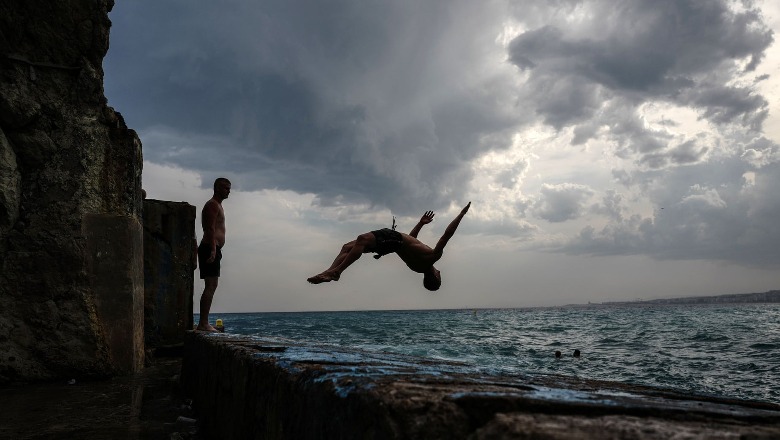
pixel 206 328
pixel 323 277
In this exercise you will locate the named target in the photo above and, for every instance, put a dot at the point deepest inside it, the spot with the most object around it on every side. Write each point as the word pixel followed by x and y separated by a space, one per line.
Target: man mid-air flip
pixel 416 254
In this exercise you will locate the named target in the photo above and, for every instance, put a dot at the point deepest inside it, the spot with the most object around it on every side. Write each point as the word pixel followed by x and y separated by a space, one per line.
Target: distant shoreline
pixel 771 296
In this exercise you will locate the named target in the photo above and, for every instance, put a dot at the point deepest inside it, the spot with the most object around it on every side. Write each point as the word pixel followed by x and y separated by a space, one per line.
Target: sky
pixel 611 151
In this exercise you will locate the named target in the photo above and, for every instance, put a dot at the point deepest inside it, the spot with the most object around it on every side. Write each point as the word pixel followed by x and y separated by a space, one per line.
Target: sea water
pixel 722 350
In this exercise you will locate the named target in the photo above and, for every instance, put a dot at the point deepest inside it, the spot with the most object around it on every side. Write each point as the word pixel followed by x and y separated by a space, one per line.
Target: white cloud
pixel 559 203
pixel 703 199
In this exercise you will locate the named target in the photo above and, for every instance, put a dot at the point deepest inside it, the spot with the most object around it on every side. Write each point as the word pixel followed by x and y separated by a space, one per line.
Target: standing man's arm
pixel 194 252
pixel 450 231
pixel 424 220
pixel 209 221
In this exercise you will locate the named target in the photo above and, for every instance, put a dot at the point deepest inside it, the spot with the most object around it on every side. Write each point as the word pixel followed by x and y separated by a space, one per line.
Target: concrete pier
pixel 253 388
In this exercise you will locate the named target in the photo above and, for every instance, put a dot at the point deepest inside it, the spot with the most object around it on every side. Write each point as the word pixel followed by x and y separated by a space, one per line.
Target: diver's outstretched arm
pixel 450 231
pixel 424 220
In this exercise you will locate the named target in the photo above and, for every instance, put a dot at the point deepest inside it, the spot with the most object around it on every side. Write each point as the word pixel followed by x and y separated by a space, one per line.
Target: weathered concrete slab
pixel 270 388
pixel 113 243
pixel 169 262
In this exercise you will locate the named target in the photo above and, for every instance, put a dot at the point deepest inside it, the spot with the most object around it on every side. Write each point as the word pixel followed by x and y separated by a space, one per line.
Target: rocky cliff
pixel 71 284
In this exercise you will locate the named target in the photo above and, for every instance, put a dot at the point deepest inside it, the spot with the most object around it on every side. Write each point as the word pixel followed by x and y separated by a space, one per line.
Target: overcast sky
pixel 611 151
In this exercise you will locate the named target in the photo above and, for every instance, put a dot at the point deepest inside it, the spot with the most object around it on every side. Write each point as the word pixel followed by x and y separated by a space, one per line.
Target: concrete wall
pixel 169 262
pixel 242 396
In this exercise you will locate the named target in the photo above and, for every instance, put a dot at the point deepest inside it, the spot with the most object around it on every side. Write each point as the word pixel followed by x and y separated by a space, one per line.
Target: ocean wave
pixel 765 346
pixel 702 350
pixel 709 337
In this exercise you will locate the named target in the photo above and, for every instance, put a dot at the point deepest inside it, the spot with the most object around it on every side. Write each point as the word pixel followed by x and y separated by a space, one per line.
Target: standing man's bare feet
pixel 323 277
pixel 206 328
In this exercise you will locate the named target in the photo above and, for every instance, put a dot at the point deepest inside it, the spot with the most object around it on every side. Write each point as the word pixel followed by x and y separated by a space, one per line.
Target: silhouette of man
pixel 418 256
pixel 210 248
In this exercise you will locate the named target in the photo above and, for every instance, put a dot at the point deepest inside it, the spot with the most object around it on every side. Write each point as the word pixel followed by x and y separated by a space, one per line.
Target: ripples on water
pixel 724 350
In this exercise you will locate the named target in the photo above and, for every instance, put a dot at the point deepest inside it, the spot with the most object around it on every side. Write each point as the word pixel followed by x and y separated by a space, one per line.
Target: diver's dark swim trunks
pixel 388 241
pixel 208 270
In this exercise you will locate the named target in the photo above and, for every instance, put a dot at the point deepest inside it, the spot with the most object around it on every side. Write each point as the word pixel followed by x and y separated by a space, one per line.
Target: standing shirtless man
pixel 416 254
pixel 210 249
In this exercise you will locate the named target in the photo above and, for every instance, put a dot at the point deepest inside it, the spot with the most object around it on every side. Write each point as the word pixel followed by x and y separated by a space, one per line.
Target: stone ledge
pixel 273 388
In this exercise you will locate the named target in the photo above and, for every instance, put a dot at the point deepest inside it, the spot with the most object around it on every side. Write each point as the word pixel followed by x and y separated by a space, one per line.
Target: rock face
pixel 245 388
pixel 71 284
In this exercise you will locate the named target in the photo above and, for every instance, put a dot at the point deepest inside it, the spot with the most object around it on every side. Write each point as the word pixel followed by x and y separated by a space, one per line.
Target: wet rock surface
pixel 146 405
pixel 271 388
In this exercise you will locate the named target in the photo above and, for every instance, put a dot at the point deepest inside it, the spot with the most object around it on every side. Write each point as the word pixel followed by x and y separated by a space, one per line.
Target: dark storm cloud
pixel 349 100
pixel 388 103
pixel 592 72
pixel 646 45
pixel 722 105
pixel 686 153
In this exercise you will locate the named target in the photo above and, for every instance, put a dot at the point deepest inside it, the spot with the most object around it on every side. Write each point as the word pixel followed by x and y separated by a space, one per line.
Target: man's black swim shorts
pixel 208 270
pixel 388 241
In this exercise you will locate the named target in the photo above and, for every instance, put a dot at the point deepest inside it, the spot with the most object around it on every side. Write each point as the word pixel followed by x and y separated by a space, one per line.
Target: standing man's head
pixel 221 188
pixel 432 279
